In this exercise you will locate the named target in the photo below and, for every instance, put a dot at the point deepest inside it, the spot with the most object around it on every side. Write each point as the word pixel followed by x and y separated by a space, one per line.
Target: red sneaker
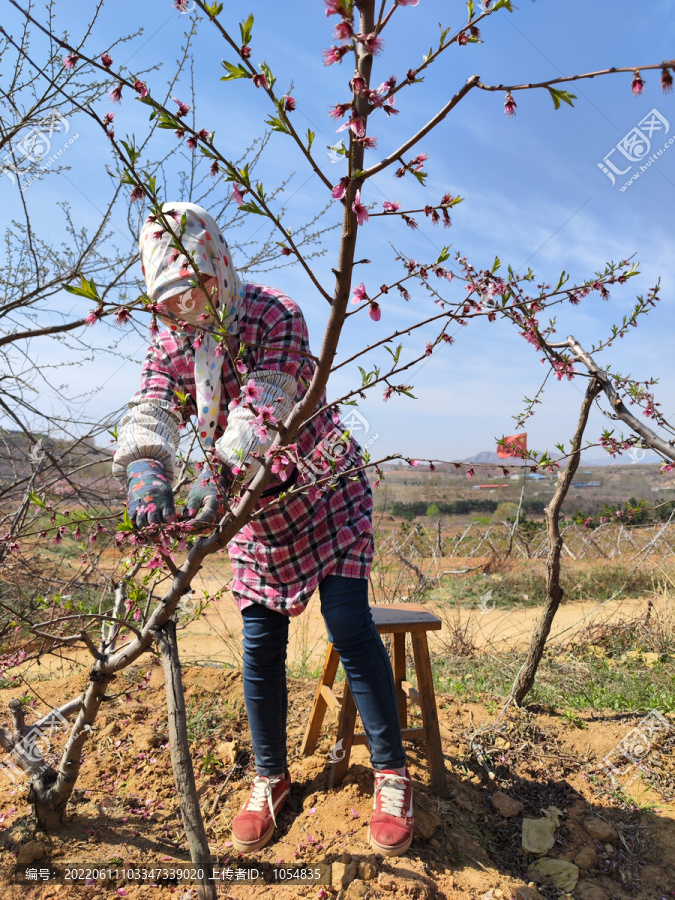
pixel 392 822
pixel 254 824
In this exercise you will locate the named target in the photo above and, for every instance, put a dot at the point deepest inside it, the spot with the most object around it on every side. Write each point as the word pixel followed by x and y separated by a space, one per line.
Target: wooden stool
pixel 397 619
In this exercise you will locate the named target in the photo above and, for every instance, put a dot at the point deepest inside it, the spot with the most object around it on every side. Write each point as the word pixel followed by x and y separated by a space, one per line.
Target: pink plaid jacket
pixel 281 555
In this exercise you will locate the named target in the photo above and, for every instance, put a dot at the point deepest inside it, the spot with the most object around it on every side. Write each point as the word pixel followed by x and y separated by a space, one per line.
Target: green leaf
pixel 267 72
pixel 246 29
pixel 426 56
pixel 557 96
pixel 132 152
pixel 277 124
pixel 233 71
pixel 469 6
pixel 502 4
pixel 113 432
pixel 213 9
pixel 444 254
pixel 149 101
pixel 126 524
pixel 166 120
pixel 337 149
pixel 564 277
pixel 86 289
pixel 310 138
pixel 34 498
pixel 496 264
pixel 367 377
pixel 395 354
pixel 252 208
pixel 206 152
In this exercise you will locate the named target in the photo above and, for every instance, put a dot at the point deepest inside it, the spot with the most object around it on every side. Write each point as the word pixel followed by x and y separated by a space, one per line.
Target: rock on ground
pixel 586 858
pixel 587 890
pixel 506 806
pixel 600 830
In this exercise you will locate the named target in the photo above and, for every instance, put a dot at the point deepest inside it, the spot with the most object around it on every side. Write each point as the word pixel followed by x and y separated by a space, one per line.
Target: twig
pixel 224 784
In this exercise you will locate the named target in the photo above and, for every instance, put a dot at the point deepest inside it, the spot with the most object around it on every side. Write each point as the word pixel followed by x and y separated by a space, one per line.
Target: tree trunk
pixel 554 592
pixel 50 790
pixel 181 761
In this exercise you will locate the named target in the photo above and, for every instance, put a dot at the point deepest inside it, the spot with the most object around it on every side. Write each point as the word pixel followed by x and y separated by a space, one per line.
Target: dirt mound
pixel 468 845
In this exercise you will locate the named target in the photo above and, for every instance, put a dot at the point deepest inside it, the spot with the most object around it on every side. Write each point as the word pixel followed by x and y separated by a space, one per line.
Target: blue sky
pixel 534 194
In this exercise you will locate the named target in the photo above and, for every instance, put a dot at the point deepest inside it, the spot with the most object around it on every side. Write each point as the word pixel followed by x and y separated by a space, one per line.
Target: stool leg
pixel 398 666
pixel 319 706
pixel 346 735
pixel 427 694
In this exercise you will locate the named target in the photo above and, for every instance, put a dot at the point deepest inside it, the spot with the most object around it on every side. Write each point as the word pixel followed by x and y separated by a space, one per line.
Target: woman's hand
pixel 206 502
pixel 150 499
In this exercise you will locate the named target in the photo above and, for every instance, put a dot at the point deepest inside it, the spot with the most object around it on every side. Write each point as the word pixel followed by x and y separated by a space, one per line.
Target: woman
pixel 321 538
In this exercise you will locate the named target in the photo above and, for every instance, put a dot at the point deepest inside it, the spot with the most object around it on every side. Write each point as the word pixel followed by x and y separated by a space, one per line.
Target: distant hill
pixel 18 453
pixel 489 457
pixel 643 457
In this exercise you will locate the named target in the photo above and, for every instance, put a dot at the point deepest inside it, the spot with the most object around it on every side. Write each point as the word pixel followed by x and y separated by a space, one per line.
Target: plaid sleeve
pixel 282 331
pixel 167 375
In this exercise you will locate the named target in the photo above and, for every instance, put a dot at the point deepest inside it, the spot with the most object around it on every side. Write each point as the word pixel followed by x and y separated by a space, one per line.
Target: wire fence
pixel 606 541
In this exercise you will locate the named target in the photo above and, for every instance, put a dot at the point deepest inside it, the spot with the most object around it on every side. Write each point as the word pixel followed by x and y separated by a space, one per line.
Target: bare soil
pixel 125 806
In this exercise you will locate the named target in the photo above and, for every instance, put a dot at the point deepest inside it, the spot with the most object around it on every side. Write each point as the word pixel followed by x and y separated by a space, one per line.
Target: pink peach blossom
pixel 360 210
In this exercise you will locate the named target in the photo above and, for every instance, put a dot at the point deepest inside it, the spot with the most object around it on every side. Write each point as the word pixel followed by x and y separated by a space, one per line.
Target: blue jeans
pixel 344 605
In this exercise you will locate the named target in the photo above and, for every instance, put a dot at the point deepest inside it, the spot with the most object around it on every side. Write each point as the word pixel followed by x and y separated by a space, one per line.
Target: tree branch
pixel 619 409
pixel 473 82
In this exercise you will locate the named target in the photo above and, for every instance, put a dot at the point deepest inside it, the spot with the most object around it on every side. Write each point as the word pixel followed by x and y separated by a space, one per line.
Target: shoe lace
pixel 391 789
pixel 261 794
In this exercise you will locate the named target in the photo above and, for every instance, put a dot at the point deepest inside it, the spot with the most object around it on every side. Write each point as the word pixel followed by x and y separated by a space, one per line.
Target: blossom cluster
pixel 637 84
pixel 346 36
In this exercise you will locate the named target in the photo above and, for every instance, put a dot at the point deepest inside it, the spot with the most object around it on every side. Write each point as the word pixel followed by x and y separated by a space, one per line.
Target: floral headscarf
pixel 167 273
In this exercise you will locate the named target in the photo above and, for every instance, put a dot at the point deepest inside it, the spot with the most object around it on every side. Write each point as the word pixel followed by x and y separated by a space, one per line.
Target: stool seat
pixel 397 619
pixel 404 617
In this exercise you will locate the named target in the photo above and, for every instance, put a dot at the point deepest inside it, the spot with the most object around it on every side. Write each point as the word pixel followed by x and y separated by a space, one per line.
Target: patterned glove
pixel 205 503
pixel 150 500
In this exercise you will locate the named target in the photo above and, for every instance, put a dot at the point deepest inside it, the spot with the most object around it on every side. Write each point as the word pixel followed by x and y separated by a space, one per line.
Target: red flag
pixel 513 445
